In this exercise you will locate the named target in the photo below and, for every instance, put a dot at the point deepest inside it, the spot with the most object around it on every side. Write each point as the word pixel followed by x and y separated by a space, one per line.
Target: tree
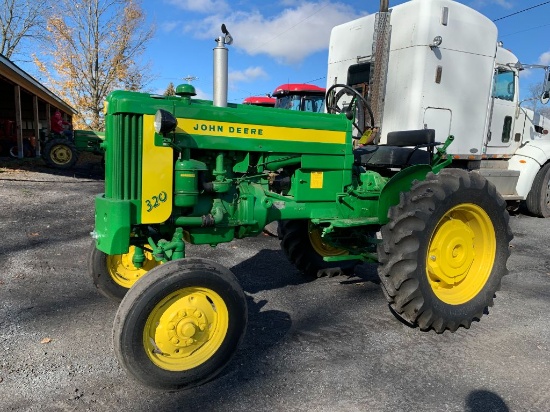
pixel 20 20
pixel 93 47
pixel 535 91
pixel 170 90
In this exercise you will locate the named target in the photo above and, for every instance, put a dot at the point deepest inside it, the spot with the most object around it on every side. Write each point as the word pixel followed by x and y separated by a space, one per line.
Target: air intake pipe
pixel 379 65
pixel 220 68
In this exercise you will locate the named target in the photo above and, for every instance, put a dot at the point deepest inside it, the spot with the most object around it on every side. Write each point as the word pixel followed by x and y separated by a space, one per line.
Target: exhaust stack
pixel 220 68
pixel 379 65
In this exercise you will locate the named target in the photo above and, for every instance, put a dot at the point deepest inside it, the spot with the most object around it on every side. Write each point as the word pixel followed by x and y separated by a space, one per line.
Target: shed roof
pixel 15 74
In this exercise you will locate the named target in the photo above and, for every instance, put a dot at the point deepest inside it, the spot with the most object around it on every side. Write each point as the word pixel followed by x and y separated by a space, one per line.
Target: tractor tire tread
pixel 401 268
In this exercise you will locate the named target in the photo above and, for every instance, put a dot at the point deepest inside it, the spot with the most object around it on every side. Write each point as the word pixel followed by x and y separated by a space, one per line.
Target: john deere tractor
pixel 181 170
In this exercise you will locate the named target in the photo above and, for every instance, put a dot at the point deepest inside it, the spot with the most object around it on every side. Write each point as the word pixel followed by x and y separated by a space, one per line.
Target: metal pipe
pixel 220 68
pixel 384 5
pixel 220 73
pixel 212 219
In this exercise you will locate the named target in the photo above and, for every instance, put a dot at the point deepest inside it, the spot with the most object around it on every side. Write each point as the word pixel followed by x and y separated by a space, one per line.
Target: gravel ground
pixel 331 344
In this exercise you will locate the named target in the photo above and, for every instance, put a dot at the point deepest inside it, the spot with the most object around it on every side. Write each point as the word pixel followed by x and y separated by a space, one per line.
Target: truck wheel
pixel 180 325
pixel 60 153
pixel 305 249
pixel 444 250
pixel 113 275
pixel 538 199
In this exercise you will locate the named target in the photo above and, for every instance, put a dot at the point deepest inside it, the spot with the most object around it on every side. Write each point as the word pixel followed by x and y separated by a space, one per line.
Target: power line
pixel 521 11
pixel 522 31
pixel 314 80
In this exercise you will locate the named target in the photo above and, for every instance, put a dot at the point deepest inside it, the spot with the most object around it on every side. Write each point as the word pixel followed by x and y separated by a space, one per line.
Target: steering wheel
pixel 358 104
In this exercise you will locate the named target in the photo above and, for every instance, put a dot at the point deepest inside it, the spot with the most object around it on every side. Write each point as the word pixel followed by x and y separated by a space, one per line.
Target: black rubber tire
pixel 296 245
pixel 28 151
pixel 148 291
pixel 99 272
pixel 407 236
pixel 14 152
pixel 60 154
pixel 538 199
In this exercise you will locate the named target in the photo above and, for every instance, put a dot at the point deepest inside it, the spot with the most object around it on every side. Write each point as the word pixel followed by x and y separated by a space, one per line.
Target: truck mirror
pixel 546 88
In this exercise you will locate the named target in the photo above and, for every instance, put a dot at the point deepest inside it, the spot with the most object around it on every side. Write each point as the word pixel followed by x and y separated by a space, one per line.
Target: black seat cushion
pixel 390 156
pixel 411 137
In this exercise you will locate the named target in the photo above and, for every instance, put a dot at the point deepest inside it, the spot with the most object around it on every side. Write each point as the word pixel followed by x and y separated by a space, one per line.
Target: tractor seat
pixel 403 149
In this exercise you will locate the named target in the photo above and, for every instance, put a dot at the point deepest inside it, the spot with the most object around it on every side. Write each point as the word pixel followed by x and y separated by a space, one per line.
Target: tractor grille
pixel 123 168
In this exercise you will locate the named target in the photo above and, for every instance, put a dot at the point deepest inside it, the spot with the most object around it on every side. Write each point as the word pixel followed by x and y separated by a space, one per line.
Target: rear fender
pixel 399 183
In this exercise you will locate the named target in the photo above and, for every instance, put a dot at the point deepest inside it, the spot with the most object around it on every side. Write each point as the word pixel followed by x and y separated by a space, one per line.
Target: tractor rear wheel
pixel 444 250
pixel 304 247
pixel 60 153
pixel 113 275
pixel 180 325
pixel 538 199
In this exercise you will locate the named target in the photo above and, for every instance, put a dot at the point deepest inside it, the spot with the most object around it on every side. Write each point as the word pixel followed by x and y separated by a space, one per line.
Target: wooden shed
pixel 26 108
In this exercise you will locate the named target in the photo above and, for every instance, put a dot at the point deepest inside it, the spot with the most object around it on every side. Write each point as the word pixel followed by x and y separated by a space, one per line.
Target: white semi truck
pixel 437 64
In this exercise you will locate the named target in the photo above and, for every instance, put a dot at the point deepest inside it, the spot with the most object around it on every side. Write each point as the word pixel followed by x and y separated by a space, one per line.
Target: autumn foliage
pixel 93 48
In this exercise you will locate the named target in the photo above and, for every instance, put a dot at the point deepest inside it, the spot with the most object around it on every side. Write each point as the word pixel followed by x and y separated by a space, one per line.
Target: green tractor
pixel 61 152
pixel 179 171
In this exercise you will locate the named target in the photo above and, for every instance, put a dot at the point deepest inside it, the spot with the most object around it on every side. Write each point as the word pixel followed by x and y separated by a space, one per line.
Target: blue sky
pixel 287 40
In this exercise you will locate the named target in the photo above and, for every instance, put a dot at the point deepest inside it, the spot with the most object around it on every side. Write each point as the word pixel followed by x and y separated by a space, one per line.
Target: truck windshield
pixel 301 103
pixel 504 86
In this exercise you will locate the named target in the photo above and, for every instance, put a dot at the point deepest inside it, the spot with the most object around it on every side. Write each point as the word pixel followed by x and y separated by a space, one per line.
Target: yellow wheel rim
pixel 61 154
pixel 185 329
pixel 461 254
pixel 322 248
pixel 122 270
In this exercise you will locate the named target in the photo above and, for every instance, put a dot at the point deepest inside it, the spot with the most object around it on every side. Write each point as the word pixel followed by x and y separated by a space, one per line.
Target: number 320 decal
pixel 155 201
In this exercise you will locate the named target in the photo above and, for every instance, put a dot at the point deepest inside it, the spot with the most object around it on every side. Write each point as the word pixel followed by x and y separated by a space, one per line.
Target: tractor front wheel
pixel 60 153
pixel 305 248
pixel 444 250
pixel 113 275
pixel 180 325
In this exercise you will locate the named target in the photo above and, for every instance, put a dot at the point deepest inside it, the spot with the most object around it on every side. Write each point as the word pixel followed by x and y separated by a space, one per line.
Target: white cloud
pixel 289 37
pixel 200 6
pixel 507 4
pixel 248 75
pixel 168 26
pixel 201 94
pixel 544 58
pixel 503 3
pixel 524 74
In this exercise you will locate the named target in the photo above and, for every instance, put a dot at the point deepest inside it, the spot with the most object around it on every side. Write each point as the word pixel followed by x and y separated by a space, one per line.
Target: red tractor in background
pixel 300 97
pixel 263 101
pixel 293 96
